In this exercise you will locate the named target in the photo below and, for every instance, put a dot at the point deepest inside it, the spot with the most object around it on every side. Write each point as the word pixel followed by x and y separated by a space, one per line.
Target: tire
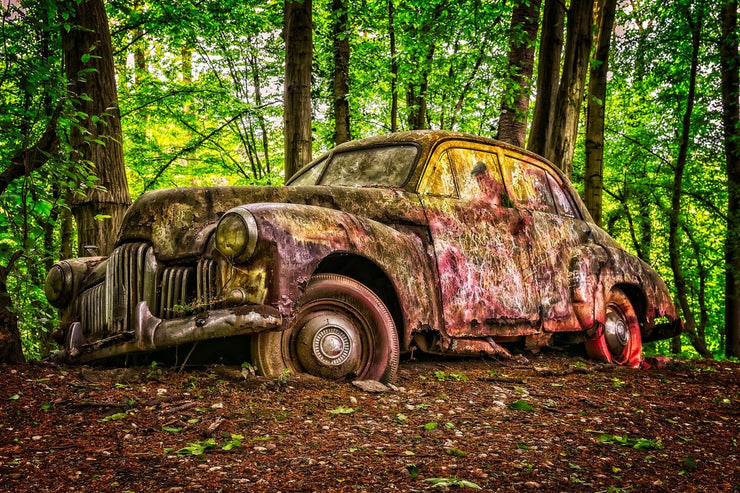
pixel 619 342
pixel 342 330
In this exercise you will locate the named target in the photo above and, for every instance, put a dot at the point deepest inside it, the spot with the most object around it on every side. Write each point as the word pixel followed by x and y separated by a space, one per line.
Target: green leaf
pixel 341 410
pixel 520 405
pixel 432 425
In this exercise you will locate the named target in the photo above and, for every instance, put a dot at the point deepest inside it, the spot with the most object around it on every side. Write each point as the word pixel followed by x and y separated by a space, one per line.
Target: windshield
pixel 384 166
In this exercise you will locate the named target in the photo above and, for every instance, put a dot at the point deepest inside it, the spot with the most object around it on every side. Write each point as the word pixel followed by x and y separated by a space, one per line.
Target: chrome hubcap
pixel 616 332
pixel 329 345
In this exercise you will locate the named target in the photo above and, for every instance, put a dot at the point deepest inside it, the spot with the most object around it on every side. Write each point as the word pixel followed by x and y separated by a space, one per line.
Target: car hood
pixel 178 222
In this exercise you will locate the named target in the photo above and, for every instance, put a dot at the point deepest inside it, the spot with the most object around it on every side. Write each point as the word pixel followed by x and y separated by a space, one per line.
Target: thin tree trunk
pixel 515 103
pixel 674 247
pixel 548 71
pixel 297 94
pixel 260 115
pixel 394 68
pixel 572 84
pixel 731 119
pixel 140 63
pixel 88 46
pixel 341 72
pixel 595 112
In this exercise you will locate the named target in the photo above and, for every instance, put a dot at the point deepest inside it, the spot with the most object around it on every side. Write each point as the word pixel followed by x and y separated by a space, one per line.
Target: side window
pixel 479 176
pixel 562 199
pixel 311 175
pixel 439 179
pixel 528 186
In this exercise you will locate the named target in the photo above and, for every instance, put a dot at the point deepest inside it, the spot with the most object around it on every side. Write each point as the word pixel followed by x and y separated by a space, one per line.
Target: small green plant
pixel 456 452
pixel 453 482
pixel 115 417
pixel 413 471
pixel 458 377
pixel 432 425
pixel 172 429
pixel 627 441
pixel 401 417
pixel 235 441
pixel 197 448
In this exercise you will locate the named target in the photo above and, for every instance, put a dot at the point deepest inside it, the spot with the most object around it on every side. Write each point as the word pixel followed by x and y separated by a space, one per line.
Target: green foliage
pixel 627 441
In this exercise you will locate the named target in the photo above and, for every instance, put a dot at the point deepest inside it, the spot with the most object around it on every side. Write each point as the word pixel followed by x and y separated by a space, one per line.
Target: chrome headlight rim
pixel 59 284
pixel 242 219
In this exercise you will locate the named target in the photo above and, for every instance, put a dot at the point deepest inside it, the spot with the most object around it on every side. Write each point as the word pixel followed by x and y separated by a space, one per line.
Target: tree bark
pixel 88 58
pixel 595 111
pixel 674 247
pixel 572 84
pixel 341 72
pixel 548 71
pixel 298 38
pixel 11 350
pixel 515 103
pixel 731 119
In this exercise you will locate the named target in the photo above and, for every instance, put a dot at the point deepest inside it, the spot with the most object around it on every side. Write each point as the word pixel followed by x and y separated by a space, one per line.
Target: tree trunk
pixel 297 94
pixel 674 247
pixel 512 127
pixel 595 112
pixel 731 119
pixel 88 60
pixel 341 72
pixel 572 84
pixel 11 350
pixel 394 68
pixel 141 69
pixel 548 71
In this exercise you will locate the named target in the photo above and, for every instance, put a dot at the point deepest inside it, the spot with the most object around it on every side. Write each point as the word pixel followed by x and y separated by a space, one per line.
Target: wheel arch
pixel 637 298
pixel 368 273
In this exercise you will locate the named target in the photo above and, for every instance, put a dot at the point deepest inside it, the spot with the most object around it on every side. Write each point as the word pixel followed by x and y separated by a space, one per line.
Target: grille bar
pixel 133 275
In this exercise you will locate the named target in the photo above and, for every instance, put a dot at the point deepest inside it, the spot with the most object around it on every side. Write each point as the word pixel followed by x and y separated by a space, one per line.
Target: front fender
pixel 295 238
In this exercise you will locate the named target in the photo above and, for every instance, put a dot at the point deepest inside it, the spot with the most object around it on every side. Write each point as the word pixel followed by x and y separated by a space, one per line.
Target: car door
pixel 477 236
pixel 553 234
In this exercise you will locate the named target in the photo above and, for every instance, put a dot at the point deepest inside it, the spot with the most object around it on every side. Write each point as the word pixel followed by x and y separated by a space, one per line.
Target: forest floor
pixel 546 423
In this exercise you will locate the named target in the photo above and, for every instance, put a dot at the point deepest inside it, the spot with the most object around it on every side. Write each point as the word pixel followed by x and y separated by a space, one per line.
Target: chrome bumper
pixel 152 333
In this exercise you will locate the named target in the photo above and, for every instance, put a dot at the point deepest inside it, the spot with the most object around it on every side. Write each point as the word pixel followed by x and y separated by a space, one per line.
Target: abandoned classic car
pixel 443 242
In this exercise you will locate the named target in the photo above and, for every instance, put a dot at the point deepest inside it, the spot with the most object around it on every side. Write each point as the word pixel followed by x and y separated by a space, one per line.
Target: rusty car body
pixel 445 242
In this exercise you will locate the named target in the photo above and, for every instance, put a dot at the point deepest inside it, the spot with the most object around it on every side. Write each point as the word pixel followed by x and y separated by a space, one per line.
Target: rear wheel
pixel 342 330
pixel 619 342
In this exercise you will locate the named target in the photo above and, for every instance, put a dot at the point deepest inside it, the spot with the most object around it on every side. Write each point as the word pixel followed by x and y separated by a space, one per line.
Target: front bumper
pixel 152 333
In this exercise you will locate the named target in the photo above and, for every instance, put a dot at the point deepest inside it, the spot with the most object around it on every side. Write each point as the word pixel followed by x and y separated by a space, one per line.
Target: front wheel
pixel 342 330
pixel 619 342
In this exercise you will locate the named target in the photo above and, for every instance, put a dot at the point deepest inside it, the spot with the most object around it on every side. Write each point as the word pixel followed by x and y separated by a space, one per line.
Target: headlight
pixel 236 234
pixel 59 284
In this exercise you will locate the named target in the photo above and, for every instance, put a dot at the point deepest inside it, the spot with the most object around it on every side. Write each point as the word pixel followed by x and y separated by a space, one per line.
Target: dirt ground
pixel 547 423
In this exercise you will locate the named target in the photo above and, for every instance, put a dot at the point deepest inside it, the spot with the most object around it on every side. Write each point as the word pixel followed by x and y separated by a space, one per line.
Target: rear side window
pixel 562 199
pixel 528 186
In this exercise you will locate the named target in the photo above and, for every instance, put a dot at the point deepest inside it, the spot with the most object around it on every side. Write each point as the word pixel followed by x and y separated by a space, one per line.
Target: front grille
pixel 177 284
pixel 133 274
